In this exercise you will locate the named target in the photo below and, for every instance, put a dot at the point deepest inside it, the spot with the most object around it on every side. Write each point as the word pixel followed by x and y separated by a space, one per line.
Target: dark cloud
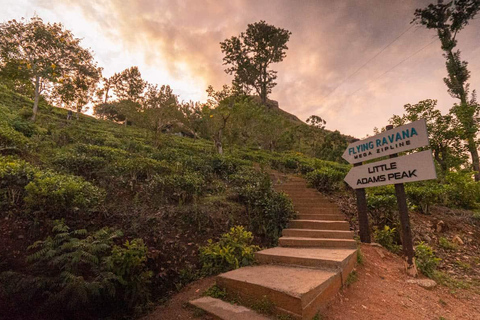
pixel 330 40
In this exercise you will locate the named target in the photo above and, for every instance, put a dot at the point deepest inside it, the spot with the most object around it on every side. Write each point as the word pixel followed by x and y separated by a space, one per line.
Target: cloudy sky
pixel 325 72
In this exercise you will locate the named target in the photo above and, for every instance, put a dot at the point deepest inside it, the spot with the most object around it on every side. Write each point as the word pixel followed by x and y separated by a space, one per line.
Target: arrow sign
pixel 413 167
pixel 403 138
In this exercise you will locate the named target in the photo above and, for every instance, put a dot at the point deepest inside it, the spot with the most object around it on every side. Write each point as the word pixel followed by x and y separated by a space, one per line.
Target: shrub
pixel 14 176
pixel 463 191
pixel 180 188
pixel 382 208
pixel 425 259
pixel 386 237
pixel 59 194
pixel 78 274
pixel 9 137
pixel 268 211
pixel 326 179
pixel 26 127
pixel 423 196
pixel 232 251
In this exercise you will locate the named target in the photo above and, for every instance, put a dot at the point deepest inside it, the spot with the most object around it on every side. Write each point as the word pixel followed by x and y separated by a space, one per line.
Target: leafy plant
pixel 325 179
pixel 14 176
pixel 426 260
pixel 215 292
pixel 57 194
pixel 386 237
pixel 232 251
pixel 446 244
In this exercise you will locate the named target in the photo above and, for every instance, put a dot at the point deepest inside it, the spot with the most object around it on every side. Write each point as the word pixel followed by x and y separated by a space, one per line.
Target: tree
pixel 160 108
pixel 317 126
pixel 46 54
pixel 251 54
pixel 442 129
pixel 448 19
pixel 128 84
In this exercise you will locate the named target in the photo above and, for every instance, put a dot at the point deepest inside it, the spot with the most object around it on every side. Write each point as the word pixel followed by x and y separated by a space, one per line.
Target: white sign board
pixel 403 138
pixel 413 167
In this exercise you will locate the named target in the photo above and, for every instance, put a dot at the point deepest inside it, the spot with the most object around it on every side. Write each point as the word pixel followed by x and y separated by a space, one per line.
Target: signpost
pixel 404 138
pixel 396 170
pixel 413 167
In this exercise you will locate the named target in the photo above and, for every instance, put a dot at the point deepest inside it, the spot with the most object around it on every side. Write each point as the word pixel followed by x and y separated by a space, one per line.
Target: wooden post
pixel 362 213
pixel 407 242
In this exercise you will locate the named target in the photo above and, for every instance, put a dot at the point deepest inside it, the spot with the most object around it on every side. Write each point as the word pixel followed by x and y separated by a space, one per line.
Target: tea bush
pixel 326 179
pixel 14 176
pixel 426 260
pixel 268 211
pixel 424 195
pixel 56 194
pixel 179 188
pixel 232 251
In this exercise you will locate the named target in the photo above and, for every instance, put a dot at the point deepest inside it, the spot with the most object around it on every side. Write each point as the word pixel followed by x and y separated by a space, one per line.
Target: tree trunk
pixel 472 147
pixel 218 141
pixel 37 99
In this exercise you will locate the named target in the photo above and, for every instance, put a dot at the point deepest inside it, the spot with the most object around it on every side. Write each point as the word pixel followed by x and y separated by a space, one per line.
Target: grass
pixel 352 278
pixel 446 244
pixel 216 292
pixel 360 257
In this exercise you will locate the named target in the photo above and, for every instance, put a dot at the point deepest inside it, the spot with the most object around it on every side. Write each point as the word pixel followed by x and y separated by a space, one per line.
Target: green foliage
pixel 387 238
pixel 426 260
pixel 352 278
pixel 57 195
pixel 14 176
pixel 446 244
pixel 425 194
pixel 325 179
pixel 382 205
pixel 215 292
pixel 268 211
pixel 179 188
pixel 232 251
pixel 463 191
pixel 77 273
pixel 127 262
pixel 360 257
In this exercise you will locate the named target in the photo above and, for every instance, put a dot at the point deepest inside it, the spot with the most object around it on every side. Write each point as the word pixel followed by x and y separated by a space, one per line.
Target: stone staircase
pixel 315 255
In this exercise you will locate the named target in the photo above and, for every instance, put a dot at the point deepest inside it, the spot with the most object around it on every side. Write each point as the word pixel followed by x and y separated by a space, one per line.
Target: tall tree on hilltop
pixel 448 19
pixel 46 54
pixel 251 54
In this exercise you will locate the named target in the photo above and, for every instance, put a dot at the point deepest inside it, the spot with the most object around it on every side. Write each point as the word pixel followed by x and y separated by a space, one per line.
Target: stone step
pixel 306 206
pixel 328 217
pixel 226 311
pixel 307 257
pixel 317 210
pixel 317 242
pixel 311 200
pixel 320 203
pixel 311 233
pixel 319 225
pixel 297 292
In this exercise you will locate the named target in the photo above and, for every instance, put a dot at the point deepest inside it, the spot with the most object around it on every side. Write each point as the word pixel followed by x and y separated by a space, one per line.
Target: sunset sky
pixel 177 43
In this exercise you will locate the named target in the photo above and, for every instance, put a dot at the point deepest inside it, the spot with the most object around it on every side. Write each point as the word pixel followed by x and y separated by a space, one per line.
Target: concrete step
pixel 319 225
pixel 307 257
pixel 329 217
pixel 317 210
pixel 308 204
pixel 297 292
pixel 310 233
pixel 226 311
pixel 317 242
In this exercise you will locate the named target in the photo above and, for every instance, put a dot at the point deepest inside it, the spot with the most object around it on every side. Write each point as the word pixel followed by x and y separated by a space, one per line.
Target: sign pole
pixel 362 213
pixel 404 218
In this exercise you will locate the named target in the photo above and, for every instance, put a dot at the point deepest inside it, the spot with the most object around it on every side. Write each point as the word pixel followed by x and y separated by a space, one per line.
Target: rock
pixel 424 283
pixel 374 244
pixel 440 226
pixel 457 240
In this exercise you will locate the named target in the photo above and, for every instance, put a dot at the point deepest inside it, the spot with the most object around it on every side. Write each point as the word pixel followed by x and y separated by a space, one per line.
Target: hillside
pixel 171 192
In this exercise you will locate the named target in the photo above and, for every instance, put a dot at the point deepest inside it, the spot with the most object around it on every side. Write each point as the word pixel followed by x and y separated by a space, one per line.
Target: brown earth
pixel 381 292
